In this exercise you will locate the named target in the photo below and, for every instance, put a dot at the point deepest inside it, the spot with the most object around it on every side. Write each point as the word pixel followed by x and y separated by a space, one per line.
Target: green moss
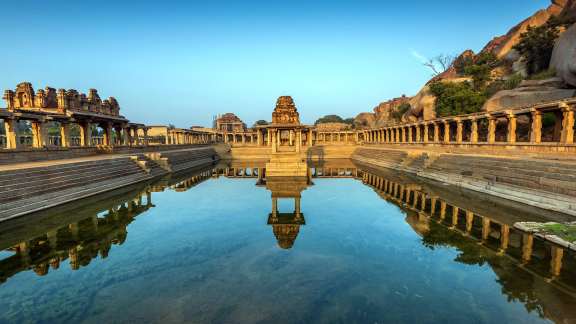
pixel 565 232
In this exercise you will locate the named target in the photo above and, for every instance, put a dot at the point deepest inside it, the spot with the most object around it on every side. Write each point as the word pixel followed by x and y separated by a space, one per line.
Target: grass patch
pixel 565 232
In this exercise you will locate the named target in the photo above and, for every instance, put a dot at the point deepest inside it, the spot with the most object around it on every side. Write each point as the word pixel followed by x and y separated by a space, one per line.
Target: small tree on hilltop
pixel 329 119
pixel 440 63
pixel 536 45
pixel 260 122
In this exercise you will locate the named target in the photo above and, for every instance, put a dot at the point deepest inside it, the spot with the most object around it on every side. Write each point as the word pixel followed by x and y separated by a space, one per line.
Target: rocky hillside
pixel 500 76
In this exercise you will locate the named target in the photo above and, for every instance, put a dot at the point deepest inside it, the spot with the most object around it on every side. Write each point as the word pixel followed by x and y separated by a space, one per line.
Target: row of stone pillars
pixel 430 131
pixel 125 135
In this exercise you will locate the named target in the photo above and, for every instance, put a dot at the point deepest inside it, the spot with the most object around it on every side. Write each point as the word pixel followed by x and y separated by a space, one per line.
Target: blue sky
pixel 182 62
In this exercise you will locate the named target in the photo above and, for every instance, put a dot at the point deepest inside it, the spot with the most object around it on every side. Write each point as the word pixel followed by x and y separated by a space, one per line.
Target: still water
pixel 358 246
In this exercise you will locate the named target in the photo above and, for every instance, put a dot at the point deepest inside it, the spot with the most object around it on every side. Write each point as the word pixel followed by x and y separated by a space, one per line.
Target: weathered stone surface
pixel 285 111
pixel 364 119
pixel 502 45
pixel 24 97
pixel 422 105
pixel 529 93
pixel 384 111
pixel 564 56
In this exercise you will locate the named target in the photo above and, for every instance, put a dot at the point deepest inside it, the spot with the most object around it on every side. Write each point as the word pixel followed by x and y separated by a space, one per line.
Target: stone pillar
pixel 536 130
pixel 409 135
pixel 309 138
pixel 436 133
pixel 259 137
pixel 459 130
pixel 137 136
pixel 567 134
pixel 145 129
pixel 65 134
pixel 107 134
pixel 40 134
pixel 474 131
pixel 491 130
pixel 11 135
pixel 446 132
pixel 298 140
pixel 425 134
pixel 418 133
pixel 273 141
pixel 85 134
pixel 511 136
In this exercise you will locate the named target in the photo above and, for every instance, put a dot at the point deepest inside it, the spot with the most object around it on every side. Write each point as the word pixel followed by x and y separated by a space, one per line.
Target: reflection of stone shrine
pixel 286 225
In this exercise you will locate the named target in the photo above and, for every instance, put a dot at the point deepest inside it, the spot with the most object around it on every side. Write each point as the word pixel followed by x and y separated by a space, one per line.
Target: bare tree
pixel 440 63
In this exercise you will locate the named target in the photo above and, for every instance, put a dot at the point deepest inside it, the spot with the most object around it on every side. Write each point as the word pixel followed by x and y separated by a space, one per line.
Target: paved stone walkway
pixel 39 164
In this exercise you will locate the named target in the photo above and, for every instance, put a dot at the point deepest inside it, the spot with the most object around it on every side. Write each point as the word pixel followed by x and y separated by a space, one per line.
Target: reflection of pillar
pixel 74 229
pixel 504 236
pixel 485 228
pixel 423 203
pixel 432 206
pixel 469 221
pixel 274 207
pixel 297 206
pixel 556 261
pixel 148 198
pixel 527 245
pixel 455 211
pixel 52 237
pixel 442 210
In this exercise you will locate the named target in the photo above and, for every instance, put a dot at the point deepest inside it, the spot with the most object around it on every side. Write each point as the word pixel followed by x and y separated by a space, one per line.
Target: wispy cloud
pixel 421 58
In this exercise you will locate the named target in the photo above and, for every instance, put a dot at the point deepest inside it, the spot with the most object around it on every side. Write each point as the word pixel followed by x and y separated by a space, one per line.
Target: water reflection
pixel 538 274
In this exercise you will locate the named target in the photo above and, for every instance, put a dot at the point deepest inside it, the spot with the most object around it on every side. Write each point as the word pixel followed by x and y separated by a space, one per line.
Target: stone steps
pixel 75 178
pixel 37 203
pixel 55 177
pixel 558 178
pixel 53 169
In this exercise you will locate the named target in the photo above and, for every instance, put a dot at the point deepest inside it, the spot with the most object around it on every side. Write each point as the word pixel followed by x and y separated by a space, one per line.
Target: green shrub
pixel 400 111
pixel 456 98
pixel 537 44
pixel 546 74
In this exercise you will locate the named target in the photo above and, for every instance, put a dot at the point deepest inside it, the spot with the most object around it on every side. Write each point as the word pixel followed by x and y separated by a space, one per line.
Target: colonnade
pixel 466 222
pixel 113 134
pixel 486 128
pixel 79 241
pixel 308 137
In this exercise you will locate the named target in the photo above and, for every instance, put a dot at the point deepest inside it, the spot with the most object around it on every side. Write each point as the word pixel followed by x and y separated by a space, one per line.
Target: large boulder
pixel 564 56
pixel 364 119
pixel 385 110
pixel 530 92
pixel 421 106
pixel 502 45
pixel 568 13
